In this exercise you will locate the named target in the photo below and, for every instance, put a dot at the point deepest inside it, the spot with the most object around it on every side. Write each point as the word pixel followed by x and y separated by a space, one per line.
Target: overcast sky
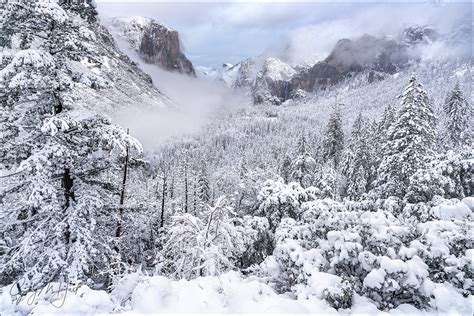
pixel 213 33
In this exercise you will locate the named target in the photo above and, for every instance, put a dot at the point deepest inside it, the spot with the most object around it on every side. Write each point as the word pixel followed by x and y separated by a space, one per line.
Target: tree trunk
pixel 186 187
pixel 163 196
pixel 172 188
pixel 118 230
pixel 195 196
pixel 67 183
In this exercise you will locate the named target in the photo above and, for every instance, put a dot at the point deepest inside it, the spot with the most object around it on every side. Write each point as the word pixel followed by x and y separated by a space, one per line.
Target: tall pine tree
pixel 333 143
pixel 458 116
pixel 409 141
pixel 356 163
pixel 203 186
pixel 304 165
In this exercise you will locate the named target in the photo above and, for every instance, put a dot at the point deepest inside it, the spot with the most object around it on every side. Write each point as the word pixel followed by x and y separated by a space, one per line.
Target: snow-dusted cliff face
pixel 272 82
pixel 156 43
pixel 239 76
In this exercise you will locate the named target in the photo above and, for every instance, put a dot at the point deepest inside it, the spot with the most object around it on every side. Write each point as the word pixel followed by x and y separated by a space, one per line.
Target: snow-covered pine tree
pixel 381 130
pixel 328 181
pixel 356 164
pixel 203 186
pixel 285 169
pixel 303 166
pixel 409 141
pixel 84 8
pixel 59 167
pixel 333 143
pixel 374 153
pixel 458 116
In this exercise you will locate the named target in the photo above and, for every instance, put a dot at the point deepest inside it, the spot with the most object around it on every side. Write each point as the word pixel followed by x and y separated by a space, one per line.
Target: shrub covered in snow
pixel 207 244
pixel 390 259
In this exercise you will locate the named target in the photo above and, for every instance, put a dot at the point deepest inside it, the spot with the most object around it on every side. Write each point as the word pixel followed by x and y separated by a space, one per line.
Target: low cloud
pixel 194 101
pixel 314 42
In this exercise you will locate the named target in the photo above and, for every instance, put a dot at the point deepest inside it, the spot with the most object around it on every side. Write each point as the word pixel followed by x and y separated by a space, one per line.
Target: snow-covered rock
pixel 156 43
pixel 272 82
pixel 240 75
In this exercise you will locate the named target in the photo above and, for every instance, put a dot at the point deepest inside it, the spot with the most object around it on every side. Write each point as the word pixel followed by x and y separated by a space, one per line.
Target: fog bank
pixel 193 101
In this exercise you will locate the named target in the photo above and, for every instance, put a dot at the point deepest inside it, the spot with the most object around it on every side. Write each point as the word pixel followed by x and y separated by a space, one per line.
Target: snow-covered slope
pixel 109 79
pixel 100 76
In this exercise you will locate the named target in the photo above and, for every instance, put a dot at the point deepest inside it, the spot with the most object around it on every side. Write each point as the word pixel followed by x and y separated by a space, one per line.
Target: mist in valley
pixel 191 102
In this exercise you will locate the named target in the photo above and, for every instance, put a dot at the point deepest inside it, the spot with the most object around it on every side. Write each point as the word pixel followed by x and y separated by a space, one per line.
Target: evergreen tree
pixel 373 153
pixel 304 164
pixel 356 163
pixel 380 131
pixel 327 181
pixel 203 187
pixel 285 169
pixel 61 169
pixel 377 137
pixel 458 116
pixel 84 8
pixel 409 141
pixel 333 143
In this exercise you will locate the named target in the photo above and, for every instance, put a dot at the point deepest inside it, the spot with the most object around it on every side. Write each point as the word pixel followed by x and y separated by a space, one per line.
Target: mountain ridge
pixel 378 56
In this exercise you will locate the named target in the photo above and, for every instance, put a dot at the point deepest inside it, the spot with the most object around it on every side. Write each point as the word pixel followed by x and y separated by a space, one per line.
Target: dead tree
pixel 186 189
pixel 164 190
pixel 118 230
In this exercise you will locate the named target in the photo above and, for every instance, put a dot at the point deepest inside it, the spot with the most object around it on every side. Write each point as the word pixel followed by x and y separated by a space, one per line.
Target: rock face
pixel 273 83
pixel 156 43
pixel 377 56
pixel 368 52
pixel 241 75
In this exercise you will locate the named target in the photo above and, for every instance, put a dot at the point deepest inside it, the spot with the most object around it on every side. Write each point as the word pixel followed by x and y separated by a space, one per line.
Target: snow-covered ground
pixel 228 293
